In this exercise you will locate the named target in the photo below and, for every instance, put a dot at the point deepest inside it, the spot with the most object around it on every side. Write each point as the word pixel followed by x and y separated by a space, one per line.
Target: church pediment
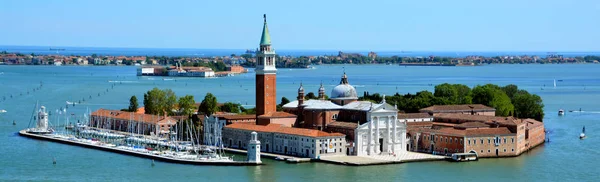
pixel 384 107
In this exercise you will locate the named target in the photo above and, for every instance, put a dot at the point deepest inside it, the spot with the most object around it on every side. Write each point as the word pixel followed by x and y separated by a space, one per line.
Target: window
pixel 489 141
pixel 512 140
pixel 482 142
pixel 488 151
pixel 504 150
pixel 513 150
pixel 504 139
pixel 481 151
pixel 469 142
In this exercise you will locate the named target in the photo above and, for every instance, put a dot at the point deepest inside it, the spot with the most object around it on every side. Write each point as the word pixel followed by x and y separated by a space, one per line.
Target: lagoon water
pixel 565 158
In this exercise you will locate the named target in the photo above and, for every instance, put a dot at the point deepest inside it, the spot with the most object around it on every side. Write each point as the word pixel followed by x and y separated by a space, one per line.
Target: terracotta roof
pixel 471 125
pixel 487 131
pixel 278 115
pixel 413 115
pixel 419 124
pixel 341 124
pixel 468 132
pixel 278 128
pixel 463 118
pixel 123 115
pixel 233 117
pixel 457 108
pixel 532 123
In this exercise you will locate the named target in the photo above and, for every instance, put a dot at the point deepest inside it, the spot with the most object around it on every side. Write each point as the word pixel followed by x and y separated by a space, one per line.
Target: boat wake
pixel 115 81
pixel 593 112
pixel 3 111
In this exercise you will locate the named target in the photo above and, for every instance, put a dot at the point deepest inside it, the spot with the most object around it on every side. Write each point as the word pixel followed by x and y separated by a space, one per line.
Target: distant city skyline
pixel 386 25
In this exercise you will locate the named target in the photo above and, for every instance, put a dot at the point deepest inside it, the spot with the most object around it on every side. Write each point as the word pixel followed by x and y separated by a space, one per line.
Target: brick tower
pixel 266 75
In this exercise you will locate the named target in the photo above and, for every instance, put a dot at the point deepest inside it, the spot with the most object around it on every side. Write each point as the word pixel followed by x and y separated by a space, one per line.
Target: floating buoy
pixel 14 122
pixel 152 162
pixel 53 160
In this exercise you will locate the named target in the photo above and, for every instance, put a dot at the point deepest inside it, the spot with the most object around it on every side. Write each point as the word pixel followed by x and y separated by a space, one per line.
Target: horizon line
pixel 343 50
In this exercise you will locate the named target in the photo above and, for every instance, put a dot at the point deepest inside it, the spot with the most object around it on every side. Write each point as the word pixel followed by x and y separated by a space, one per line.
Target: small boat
pixel 279 158
pixel 561 112
pixel 582 135
pixel 462 157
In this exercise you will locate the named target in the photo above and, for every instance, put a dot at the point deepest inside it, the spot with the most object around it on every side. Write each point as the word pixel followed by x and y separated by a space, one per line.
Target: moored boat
pixel 582 135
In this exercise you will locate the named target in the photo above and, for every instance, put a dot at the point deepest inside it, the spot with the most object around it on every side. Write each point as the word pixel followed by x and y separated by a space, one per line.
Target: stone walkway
pixel 381 159
pixel 273 156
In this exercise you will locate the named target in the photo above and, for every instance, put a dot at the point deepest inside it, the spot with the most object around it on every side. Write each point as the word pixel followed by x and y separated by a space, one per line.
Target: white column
pixel 377 136
pixel 388 137
pixel 370 138
pixel 395 136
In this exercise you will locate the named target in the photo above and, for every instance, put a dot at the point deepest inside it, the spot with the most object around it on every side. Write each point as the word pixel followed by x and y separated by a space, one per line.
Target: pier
pixel 381 159
pixel 135 153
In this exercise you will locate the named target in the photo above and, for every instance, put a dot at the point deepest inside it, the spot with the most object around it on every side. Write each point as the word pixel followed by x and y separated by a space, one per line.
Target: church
pixel 370 128
pixel 340 125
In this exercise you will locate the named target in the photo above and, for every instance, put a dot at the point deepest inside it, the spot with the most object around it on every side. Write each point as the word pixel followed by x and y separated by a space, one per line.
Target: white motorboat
pixel 561 112
pixel 582 135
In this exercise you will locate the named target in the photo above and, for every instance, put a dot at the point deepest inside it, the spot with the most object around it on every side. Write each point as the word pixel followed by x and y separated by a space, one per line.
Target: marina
pixel 129 151
pixel 113 142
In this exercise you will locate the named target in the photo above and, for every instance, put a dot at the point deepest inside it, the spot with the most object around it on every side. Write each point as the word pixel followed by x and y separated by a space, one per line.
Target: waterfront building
pixel 213 126
pixel 136 123
pixel 486 136
pixel 280 139
pixel 472 109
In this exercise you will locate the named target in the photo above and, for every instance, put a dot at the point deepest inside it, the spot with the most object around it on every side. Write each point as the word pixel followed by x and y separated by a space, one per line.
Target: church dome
pixel 344 90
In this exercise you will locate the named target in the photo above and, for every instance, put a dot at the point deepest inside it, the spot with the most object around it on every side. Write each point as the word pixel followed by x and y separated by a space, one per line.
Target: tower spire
pixel 265 38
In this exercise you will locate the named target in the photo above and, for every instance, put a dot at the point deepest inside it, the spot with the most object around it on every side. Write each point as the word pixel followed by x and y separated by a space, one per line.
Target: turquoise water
pixel 565 158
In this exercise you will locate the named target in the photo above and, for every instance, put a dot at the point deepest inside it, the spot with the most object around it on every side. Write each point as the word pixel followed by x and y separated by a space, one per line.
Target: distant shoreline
pixel 248 60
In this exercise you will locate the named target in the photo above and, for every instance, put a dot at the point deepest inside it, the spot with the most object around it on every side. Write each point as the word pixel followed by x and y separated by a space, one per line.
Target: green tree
pixel 284 101
pixel 311 95
pixel 510 90
pixel 133 104
pixel 186 105
pixel 208 105
pixel 159 102
pixel 491 95
pixel 170 99
pixel 230 107
pixel 528 105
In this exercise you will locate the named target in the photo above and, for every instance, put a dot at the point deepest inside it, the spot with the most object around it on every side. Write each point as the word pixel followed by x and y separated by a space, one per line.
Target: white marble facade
pixel 383 133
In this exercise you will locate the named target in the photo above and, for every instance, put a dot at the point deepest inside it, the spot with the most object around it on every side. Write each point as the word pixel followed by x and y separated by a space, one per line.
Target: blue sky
pixel 387 25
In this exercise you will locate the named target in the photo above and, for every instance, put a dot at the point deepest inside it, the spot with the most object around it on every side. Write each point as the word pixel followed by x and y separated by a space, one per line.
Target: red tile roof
pixel 123 115
pixel 341 124
pixel 468 132
pixel 413 115
pixel 278 128
pixel 234 117
pixel 463 118
pixel 277 115
pixel 457 108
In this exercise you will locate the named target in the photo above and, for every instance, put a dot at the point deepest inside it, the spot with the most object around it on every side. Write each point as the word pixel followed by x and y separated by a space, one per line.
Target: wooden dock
pixel 137 154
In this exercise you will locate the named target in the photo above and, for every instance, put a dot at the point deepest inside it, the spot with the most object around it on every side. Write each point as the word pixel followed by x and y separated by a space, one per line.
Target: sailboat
pixel 582 135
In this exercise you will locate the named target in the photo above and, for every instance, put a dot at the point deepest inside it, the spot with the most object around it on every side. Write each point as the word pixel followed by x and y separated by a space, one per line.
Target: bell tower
pixel 266 75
